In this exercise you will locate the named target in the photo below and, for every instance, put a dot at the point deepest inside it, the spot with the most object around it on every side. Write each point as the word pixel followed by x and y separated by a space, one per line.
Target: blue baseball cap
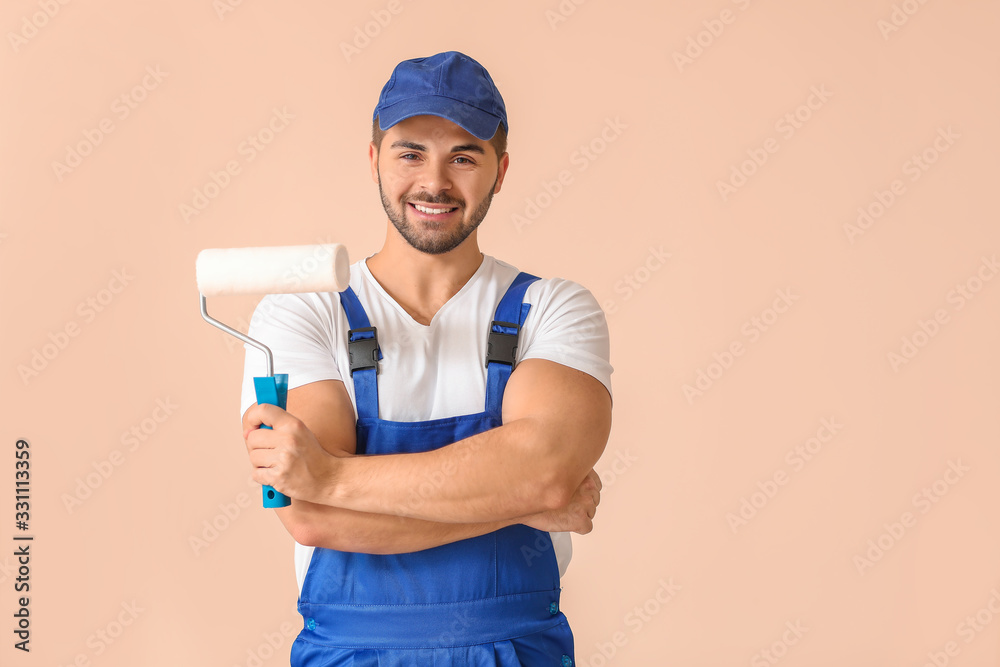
pixel 450 85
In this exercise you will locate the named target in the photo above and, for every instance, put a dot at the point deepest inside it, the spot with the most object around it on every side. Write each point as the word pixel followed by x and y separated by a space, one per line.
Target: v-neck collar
pixel 366 272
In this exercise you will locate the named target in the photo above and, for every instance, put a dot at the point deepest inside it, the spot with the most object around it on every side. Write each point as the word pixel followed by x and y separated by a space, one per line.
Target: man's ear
pixel 373 158
pixel 501 171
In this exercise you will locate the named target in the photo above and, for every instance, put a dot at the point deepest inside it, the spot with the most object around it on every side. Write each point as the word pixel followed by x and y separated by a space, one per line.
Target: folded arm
pixel 323 415
pixel 556 425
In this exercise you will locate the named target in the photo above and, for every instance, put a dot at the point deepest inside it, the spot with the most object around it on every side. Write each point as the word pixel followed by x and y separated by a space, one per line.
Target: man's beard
pixel 431 242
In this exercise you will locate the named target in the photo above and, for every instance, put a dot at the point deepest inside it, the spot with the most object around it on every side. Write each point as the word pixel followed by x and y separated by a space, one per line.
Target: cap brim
pixel 478 123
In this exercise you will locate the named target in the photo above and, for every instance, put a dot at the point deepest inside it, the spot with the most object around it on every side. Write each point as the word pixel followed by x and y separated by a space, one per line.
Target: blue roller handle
pixel 272 390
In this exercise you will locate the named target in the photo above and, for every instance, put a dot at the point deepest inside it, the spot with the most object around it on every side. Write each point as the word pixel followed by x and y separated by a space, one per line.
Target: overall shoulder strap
pixel 364 353
pixel 501 345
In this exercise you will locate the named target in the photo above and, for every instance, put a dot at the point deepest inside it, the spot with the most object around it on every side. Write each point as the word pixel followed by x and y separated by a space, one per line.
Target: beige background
pixel 675 469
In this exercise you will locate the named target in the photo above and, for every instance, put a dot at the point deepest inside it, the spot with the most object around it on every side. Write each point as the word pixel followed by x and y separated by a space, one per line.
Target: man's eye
pixel 467 160
pixel 406 156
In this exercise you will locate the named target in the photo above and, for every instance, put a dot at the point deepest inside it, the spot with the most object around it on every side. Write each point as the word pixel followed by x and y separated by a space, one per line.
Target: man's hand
pixel 575 517
pixel 289 457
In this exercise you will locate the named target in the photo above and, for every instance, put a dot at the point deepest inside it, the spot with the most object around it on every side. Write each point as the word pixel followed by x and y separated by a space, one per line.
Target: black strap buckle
pixel 502 347
pixel 363 352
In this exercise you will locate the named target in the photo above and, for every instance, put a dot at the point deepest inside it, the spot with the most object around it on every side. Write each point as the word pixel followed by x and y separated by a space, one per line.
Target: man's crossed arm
pixel 536 469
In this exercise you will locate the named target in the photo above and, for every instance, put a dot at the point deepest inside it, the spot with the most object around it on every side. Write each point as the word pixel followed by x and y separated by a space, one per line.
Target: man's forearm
pixel 496 475
pixel 347 530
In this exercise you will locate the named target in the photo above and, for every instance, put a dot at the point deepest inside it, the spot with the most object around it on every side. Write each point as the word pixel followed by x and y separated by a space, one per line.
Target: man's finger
pixel 597 479
pixel 259 439
pixel 262 458
pixel 261 475
pixel 267 415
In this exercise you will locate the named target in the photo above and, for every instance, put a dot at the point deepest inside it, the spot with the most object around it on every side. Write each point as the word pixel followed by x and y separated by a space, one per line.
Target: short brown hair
pixel 499 140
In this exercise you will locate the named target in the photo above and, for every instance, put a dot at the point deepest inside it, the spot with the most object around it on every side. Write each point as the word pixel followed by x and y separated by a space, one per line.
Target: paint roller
pixel 273 270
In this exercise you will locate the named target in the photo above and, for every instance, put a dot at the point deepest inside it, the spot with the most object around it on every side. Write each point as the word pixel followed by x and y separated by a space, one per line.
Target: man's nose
pixel 434 177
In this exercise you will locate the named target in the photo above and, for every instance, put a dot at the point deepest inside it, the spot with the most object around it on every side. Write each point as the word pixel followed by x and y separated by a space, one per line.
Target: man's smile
pixel 433 212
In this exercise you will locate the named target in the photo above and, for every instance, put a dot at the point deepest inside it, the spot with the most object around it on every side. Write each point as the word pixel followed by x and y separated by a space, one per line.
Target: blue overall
pixel 488 600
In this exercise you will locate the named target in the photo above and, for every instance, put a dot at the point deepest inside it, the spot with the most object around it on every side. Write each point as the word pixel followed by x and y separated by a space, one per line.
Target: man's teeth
pixel 432 211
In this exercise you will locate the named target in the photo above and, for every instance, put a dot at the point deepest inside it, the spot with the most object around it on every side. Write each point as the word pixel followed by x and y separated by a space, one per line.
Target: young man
pixel 433 485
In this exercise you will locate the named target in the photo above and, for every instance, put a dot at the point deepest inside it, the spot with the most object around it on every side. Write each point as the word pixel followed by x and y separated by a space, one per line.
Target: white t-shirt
pixel 426 372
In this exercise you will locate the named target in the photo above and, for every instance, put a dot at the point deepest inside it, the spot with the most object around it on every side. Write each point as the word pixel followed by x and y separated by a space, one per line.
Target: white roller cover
pixel 273 270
